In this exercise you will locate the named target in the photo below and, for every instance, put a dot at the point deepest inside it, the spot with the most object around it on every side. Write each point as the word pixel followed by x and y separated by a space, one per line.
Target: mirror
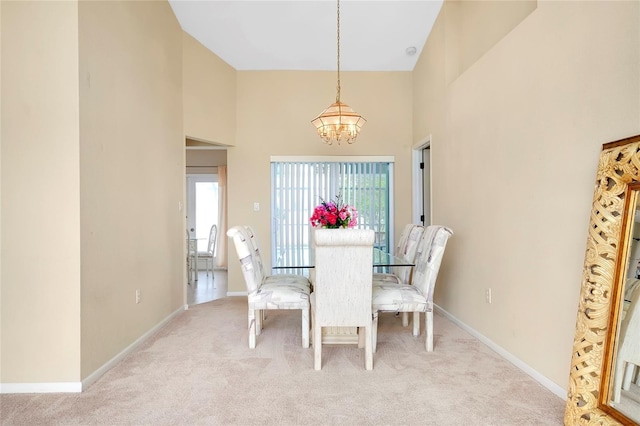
pixel 600 391
pixel 623 382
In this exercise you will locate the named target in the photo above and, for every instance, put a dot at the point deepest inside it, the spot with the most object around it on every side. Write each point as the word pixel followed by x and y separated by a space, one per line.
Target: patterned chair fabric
pixel 260 269
pixel 342 286
pixel 417 297
pixel 406 249
pixel 268 292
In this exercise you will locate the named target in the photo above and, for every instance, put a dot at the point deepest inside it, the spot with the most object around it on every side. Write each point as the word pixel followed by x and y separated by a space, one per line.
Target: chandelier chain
pixel 338 24
pixel 339 122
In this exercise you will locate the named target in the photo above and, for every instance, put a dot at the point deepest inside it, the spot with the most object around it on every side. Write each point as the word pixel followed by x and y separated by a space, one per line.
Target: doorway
pixel 421 172
pixel 202 207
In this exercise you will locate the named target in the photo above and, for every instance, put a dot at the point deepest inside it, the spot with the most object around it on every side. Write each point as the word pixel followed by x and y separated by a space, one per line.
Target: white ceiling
pixel 301 34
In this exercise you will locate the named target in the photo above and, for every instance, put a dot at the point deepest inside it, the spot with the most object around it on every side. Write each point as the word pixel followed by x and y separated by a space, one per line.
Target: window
pixel 298 185
pixel 202 207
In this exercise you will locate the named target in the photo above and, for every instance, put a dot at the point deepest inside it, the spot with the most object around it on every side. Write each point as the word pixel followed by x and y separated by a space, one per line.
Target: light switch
pixel 256 207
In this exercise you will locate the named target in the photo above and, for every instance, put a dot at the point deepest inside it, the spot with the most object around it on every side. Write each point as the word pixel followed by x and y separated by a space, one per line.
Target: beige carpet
pixel 198 370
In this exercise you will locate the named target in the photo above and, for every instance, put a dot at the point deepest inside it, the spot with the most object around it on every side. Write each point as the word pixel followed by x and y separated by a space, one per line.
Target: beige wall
pixel 515 145
pixel 209 94
pixel 92 176
pixel 40 322
pixel 205 160
pixel 274 113
pixel 474 27
pixel 132 173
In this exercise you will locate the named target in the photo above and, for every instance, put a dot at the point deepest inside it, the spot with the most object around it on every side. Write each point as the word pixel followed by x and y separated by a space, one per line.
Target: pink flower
pixel 334 214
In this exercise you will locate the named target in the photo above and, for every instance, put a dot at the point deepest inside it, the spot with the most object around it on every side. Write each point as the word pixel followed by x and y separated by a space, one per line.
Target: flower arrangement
pixel 334 214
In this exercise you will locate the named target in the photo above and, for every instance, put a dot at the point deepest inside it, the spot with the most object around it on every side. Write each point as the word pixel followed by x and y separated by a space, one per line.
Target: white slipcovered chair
pixel 629 287
pixel 628 357
pixel 273 292
pixel 406 250
pixel 342 287
pixel 209 254
pixel 417 297
pixel 260 263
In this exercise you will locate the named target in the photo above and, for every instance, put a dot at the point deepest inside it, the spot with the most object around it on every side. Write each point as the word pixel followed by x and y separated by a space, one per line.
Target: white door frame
pixel 416 187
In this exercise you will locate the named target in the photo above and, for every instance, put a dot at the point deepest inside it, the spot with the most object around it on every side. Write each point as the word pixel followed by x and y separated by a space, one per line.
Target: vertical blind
pixel 298 186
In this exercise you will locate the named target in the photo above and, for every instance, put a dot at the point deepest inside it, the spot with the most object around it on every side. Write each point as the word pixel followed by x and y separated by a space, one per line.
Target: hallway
pixel 207 288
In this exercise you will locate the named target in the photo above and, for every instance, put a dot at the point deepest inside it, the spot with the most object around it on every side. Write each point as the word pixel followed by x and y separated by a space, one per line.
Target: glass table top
pixel 380 259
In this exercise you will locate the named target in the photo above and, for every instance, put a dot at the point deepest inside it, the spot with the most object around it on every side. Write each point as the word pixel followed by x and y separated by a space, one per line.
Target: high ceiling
pixel 301 35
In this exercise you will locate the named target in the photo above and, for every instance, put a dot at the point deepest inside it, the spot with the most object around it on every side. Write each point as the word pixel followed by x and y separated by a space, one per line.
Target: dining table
pixel 382 262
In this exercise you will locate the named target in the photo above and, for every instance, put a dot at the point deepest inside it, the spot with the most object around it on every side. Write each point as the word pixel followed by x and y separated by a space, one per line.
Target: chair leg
pixel 305 328
pixel 428 327
pixel 405 319
pixel 628 375
pixel 317 343
pixel 416 324
pixel 374 336
pixel 252 329
pixel 368 347
pixel 258 321
pixel 617 380
pixel 361 337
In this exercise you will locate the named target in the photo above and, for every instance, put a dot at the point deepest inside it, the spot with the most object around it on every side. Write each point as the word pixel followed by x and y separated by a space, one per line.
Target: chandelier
pixel 339 122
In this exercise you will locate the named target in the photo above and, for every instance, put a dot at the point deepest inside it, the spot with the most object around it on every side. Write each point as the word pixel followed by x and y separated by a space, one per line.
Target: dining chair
pixel 417 297
pixel 628 357
pixel 406 249
pixel 209 254
pixel 276 292
pixel 342 286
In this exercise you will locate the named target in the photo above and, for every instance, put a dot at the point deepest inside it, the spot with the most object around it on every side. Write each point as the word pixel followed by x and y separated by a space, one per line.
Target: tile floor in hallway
pixel 207 288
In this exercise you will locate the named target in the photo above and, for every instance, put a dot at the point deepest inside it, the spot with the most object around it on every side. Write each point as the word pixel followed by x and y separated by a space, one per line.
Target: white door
pixel 202 206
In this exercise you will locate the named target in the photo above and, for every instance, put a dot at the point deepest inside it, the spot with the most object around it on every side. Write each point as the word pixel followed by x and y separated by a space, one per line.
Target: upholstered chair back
pixel 629 287
pixel 402 242
pixel 428 258
pixel 257 257
pixel 343 276
pixel 412 239
pixel 250 268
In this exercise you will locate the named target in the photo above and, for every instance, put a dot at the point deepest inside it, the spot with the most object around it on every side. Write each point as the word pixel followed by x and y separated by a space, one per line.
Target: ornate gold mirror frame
pixel 594 346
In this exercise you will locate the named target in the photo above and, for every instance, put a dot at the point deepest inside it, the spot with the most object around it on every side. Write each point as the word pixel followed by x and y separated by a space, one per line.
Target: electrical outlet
pixel 138 296
pixel 487 295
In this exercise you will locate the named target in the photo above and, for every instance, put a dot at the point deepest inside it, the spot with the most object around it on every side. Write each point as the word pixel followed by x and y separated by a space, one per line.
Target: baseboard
pixel 116 359
pixel 552 386
pixel 75 387
pixel 60 387
pixel 236 293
